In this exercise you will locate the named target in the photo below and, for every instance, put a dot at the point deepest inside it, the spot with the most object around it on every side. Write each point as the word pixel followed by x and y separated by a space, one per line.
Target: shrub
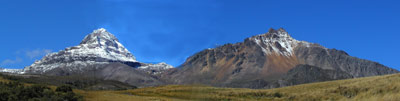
pixel 64 88
pixel 15 91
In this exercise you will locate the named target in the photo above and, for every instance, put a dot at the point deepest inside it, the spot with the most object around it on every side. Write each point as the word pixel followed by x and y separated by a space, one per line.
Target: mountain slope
pixel 99 55
pixel 99 47
pixel 263 59
pixel 307 74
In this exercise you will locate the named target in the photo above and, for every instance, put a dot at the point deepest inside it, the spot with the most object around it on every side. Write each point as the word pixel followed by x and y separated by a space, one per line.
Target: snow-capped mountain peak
pixel 97 35
pixel 99 47
pixel 277 41
pixel 103 43
pixel 280 33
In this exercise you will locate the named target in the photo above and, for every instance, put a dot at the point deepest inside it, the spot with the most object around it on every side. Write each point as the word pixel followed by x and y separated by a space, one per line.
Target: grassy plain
pixel 378 88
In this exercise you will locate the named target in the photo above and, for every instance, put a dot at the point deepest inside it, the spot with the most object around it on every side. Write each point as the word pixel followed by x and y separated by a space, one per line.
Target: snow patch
pixel 155 69
pixel 278 41
pixel 14 71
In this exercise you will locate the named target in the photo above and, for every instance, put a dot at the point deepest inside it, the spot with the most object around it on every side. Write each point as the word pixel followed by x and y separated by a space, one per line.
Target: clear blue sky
pixel 172 30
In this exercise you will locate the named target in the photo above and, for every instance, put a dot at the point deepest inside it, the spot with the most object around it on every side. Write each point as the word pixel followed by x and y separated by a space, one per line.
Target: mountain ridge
pixel 262 59
pixel 266 60
pixel 101 56
pixel 97 48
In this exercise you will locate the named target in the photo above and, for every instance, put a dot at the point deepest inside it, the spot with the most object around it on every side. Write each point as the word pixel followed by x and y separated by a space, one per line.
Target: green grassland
pixel 378 88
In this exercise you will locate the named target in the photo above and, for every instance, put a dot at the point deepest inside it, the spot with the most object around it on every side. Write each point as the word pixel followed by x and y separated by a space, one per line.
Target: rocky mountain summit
pixel 101 55
pixel 99 47
pixel 261 60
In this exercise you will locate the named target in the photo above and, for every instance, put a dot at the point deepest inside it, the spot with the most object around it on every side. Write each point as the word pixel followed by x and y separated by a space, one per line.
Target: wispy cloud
pixel 24 57
pixel 11 61
pixel 37 52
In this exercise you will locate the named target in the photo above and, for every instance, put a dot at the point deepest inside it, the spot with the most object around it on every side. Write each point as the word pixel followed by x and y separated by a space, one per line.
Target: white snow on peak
pixel 98 47
pixel 101 33
pixel 277 41
pixel 101 43
pixel 100 30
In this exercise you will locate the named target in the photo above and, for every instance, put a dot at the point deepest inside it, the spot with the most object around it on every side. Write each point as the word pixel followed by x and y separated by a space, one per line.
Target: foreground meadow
pixel 378 88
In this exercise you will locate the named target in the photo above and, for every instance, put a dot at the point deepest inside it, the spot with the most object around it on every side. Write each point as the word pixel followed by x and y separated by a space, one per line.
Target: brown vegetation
pixel 379 88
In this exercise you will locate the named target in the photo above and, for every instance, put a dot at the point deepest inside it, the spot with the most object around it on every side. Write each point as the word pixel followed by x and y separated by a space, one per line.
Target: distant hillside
pixel 75 81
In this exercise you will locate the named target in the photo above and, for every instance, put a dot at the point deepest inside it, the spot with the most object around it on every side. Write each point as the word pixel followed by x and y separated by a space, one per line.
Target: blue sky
pixel 172 30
